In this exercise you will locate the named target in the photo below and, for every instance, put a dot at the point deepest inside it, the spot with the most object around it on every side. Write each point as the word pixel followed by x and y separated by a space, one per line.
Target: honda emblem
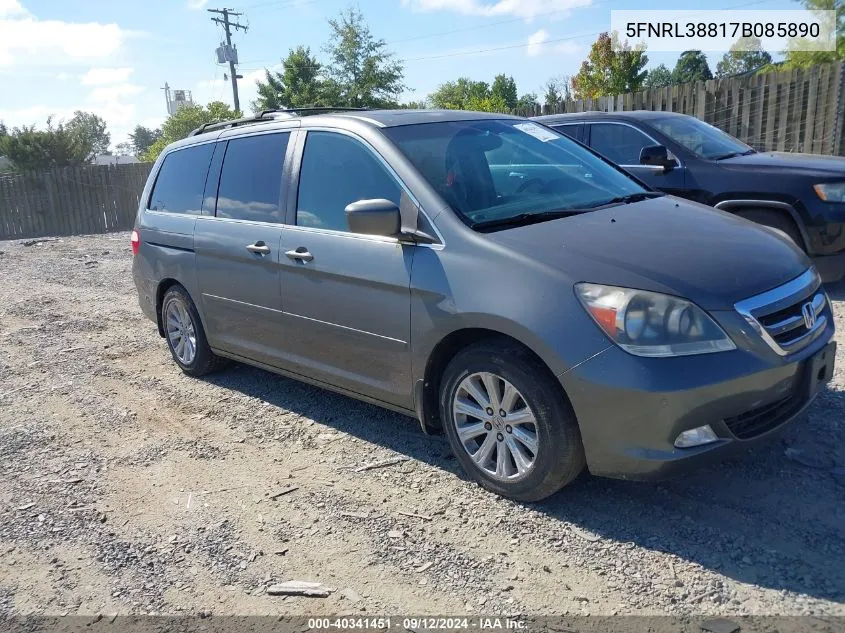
pixel 809 315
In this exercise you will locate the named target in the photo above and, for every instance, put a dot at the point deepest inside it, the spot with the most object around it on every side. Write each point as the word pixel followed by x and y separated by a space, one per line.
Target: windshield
pixel 702 139
pixel 492 170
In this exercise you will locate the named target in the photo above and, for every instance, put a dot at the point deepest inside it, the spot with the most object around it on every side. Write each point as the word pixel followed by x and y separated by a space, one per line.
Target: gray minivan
pixel 491 277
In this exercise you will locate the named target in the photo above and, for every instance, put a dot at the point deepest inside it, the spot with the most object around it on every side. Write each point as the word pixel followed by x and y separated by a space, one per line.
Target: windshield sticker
pixel 537 132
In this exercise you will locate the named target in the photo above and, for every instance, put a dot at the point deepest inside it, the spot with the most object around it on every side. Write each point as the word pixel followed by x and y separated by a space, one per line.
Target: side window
pixel 337 170
pixel 572 130
pixel 251 178
pixel 620 144
pixel 181 180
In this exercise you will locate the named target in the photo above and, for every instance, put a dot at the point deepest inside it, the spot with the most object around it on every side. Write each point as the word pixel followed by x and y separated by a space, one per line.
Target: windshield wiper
pixel 632 197
pixel 733 154
pixel 522 219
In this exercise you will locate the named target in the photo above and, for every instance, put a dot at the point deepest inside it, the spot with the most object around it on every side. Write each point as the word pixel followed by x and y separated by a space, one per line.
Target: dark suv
pixel 801 195
pixel 492 278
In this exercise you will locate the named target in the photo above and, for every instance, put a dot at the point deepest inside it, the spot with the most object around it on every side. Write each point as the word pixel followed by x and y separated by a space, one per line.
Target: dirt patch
pixel 127 487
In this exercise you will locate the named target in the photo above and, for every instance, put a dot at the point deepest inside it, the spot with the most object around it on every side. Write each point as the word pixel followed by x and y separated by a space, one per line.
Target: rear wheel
pixel 508 422
pixel 777 221
pixel 184 334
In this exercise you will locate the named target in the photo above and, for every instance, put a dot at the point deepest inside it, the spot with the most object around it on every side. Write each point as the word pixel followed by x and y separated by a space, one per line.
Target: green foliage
pixel 56 146
pixel 361 72
pixel 527 104
pixel 141 138
pixel 691 66
pixel 611 68
pixel 736 62
pixel 658 77
pixel 413 105
pixel 504 90
pixel 558 90
pixel 297 85
pixel 461 94
pixel 184 121
pixel 91 131
pixel 805 59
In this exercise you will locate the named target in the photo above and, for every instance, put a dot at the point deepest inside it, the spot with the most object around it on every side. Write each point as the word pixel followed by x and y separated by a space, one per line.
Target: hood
pixel 665 245
pixel 810 163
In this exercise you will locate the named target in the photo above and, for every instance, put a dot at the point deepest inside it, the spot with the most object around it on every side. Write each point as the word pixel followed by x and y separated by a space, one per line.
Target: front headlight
pixel 831 191
pixel 652 324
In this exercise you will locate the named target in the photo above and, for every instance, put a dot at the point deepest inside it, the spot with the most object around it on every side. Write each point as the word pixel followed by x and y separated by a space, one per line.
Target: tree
pixel 558 90
pixel 691 66
pixel 414 105
pixel 805 59
pixel 360 72
pixel 92 131
pixel 460 94
pixel 184 121
pixel 658 77
pixel 297 85
pixel 56 146
pixel 611 68
pixel 504 89
pixel 141 138
pixel 527 104
pixel 735 62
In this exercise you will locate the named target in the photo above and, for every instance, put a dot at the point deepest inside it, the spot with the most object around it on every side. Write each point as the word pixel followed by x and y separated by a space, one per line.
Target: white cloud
pixel 538 44
pixel 536 41
pixel 526 9
pixel 106 76
pixel 26 40
pixel 11 8
pixel 196 4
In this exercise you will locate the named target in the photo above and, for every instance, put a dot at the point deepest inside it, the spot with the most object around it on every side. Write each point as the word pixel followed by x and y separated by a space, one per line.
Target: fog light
pixel 696 437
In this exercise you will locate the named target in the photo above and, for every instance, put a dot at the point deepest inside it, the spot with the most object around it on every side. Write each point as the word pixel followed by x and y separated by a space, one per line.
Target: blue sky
pixel 113 56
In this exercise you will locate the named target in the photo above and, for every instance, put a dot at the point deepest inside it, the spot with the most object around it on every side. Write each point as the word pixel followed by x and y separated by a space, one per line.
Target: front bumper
pixel 631 409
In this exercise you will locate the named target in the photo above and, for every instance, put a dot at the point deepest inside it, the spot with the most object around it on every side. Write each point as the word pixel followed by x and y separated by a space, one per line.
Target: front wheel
pixel 508 422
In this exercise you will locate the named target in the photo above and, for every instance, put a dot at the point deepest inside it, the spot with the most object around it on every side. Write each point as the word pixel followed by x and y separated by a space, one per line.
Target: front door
pixel 346 296
pixel 238 249
pixel 621 143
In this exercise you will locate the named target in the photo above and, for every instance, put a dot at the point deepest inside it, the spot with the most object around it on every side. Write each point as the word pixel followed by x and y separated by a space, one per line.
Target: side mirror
pixel 657 156
pixel 374 217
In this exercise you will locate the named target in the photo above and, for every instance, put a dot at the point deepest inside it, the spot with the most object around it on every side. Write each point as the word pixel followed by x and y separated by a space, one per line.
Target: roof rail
pixel 208 127
pixel 310 110
pixel 263 116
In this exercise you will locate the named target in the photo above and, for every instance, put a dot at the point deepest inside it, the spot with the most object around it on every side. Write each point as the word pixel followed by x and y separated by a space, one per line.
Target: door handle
pixel 259 248
pixel 301 254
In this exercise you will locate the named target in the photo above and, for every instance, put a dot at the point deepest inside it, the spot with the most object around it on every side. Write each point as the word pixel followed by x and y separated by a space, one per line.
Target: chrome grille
pixel 789 317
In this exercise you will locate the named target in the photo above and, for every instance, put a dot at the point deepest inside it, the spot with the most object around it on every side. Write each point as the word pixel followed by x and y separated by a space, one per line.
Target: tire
pixel 775 220
pixel 559 456
pixel 181 321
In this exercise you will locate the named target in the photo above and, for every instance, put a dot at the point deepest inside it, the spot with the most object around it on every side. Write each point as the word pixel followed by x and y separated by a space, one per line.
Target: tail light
pixel 136 241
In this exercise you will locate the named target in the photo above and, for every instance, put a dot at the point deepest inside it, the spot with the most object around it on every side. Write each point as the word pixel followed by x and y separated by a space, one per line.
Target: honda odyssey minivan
pixel 491 277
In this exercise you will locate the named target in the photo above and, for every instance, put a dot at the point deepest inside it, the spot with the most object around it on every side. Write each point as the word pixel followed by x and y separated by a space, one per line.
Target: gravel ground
pixel 128 487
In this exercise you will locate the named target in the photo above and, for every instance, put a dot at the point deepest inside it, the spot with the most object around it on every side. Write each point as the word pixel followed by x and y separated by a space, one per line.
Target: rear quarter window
pixel 180 182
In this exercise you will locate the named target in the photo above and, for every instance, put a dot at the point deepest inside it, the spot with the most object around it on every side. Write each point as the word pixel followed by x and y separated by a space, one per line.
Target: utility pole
pixel 228 26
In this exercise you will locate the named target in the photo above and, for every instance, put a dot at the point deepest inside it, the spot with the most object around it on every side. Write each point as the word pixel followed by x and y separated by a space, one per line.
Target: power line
pixel 230 53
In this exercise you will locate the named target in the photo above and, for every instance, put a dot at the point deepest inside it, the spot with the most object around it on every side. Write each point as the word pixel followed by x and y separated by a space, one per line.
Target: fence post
pixel 837 126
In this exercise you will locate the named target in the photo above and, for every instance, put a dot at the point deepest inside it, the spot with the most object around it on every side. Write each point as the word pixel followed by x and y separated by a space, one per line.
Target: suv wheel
pixel 508 423
pixel 185 335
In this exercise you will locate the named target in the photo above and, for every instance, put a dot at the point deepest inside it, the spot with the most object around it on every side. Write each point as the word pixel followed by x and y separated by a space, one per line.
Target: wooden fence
pixel 792 111
pixel 70 200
